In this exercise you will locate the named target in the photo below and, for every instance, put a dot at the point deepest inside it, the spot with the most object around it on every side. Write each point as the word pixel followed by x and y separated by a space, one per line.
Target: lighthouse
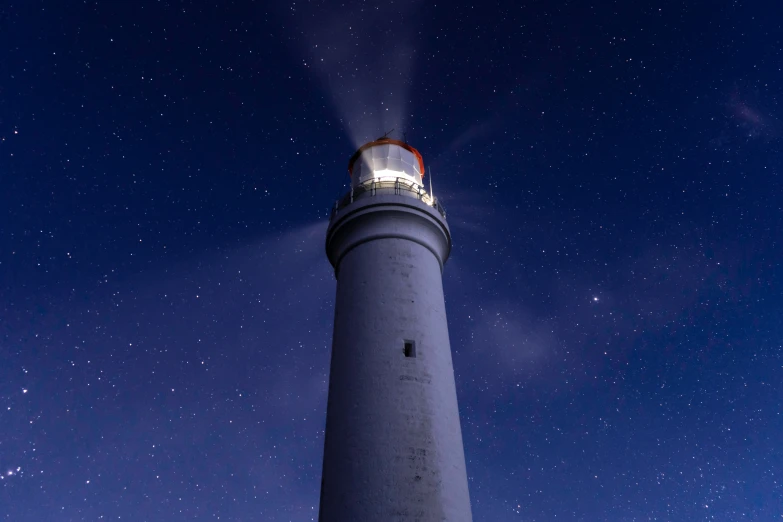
pixel 393 444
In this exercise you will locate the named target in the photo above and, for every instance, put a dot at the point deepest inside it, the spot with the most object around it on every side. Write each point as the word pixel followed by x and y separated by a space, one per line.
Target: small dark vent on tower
pixel 409 349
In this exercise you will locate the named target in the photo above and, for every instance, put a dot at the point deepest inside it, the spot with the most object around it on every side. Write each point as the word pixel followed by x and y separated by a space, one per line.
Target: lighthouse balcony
pixel 388 186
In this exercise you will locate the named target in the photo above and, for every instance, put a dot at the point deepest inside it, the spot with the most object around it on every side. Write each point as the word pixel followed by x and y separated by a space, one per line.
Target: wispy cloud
pixel 595 318
pixel 747 119
pixel 752 121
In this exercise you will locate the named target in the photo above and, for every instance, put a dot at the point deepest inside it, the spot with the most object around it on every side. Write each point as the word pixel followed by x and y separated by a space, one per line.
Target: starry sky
pixel 612 177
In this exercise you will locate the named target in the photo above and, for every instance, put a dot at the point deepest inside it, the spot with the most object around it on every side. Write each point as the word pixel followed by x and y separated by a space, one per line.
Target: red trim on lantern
pixel 385 141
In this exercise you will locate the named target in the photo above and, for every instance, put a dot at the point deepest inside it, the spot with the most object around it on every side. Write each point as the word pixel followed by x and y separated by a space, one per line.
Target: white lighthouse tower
pixel 393 448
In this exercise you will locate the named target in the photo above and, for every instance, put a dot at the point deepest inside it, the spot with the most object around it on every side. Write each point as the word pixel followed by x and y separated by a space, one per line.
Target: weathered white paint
pixel 393 450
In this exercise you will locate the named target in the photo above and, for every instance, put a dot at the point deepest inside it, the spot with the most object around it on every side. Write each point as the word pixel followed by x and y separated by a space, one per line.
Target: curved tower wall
pixel 393 447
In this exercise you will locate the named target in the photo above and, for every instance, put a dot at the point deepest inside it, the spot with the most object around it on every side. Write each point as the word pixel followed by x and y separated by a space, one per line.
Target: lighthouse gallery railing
pixel 395 186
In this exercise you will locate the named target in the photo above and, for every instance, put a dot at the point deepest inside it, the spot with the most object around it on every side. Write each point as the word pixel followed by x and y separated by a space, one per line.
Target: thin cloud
pixel 746 119
pixel 752 122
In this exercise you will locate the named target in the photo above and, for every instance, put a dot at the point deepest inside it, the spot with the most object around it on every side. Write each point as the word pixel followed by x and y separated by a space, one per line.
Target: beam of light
pixel 365 58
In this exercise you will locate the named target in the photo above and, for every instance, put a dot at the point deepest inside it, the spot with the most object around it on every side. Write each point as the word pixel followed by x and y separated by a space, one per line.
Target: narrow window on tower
pixel 409 349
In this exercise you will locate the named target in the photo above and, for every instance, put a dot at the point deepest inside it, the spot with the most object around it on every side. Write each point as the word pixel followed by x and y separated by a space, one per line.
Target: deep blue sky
pixel 612 175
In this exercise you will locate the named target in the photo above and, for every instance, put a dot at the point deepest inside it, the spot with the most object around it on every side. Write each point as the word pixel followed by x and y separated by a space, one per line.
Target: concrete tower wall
pixel 393 450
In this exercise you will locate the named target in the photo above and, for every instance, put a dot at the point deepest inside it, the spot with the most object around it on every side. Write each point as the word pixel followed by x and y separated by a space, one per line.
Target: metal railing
pixel 390 186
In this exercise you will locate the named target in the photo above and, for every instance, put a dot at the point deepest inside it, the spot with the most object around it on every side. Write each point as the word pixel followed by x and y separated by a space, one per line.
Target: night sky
pixel 612 177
